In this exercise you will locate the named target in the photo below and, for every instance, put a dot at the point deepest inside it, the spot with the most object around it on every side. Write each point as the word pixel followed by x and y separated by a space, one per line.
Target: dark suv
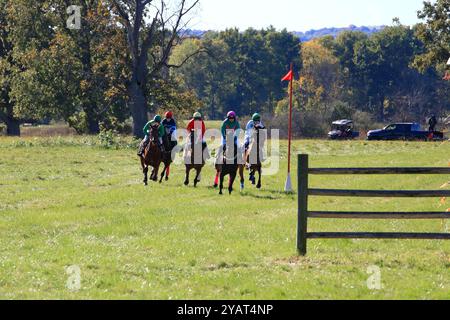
pixel 404 131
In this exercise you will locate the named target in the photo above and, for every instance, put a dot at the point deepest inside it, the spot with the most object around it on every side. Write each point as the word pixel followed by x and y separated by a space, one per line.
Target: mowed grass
pixel 68 201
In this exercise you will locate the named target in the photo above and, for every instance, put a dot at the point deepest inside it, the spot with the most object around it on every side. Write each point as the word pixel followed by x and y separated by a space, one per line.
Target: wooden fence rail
pixel 304 192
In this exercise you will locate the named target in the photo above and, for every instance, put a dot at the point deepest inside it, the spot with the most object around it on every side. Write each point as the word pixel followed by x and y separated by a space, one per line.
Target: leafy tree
pixel 19 42
pixel 79 76
pixel 210 74
pixel 319 78
pixel 239 70
pixel 435 34
pixel 152 30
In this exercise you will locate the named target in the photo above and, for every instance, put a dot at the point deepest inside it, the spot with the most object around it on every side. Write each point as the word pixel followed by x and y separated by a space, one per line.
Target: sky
pixel 302 15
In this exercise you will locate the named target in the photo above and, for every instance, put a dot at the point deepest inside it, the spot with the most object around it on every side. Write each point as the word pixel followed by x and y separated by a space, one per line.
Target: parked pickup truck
pixel 404 131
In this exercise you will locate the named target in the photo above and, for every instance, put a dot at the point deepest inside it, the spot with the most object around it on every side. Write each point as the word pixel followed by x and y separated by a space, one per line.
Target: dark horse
pixel 254 155
pixel 193 162
pixel 229 166
pixel 153 157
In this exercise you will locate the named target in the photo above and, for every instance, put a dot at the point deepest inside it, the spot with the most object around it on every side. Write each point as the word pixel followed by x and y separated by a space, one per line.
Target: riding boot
pixel 142 147
pixel 166 143
pixel 161 146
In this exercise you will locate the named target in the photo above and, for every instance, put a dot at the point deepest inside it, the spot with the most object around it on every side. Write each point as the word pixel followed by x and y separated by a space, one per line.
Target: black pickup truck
pixel 404 131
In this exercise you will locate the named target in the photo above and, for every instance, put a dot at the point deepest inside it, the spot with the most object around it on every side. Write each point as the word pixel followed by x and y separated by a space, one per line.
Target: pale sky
pixel 302 15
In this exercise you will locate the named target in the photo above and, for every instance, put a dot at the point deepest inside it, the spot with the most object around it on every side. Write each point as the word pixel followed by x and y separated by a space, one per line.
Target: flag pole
pixel 288 185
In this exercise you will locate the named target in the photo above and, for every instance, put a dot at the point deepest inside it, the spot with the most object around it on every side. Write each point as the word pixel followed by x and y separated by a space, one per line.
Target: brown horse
pixel 229 166
pixel 254 155
pixel 153 157
pixel 240 168
pixel 166 160
pixel 192 162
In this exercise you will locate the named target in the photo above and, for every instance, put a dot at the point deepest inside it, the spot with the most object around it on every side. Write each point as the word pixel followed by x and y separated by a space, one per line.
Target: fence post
pixel 302 191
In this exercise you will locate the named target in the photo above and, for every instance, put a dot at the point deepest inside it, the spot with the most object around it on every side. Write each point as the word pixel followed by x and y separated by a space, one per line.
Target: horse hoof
pixel 167 178
pixel 215 185
pixel 220 192
pixel 186 183
pixel 258 186
pixel 230 191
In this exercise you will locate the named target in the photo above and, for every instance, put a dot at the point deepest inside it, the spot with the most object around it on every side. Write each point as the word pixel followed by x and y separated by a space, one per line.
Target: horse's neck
pixel 256 146
pixel 195 146
pixel 234 156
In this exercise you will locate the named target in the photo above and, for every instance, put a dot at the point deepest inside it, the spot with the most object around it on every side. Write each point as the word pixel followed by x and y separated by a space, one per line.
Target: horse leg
pixel 142 162
pixel 216 179
pixel 232 178
pixel 252 175
pixel 156 170
pixel 186 179
pixel 167 172
pixel 163 173
pixel 258 186
pixel 198 170
pixel 222 175
pixel 241 175
pixel 145 171
pixel 152 174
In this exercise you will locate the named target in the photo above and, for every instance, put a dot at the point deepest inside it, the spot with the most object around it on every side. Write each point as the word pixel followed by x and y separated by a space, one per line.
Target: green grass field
pixel 71 201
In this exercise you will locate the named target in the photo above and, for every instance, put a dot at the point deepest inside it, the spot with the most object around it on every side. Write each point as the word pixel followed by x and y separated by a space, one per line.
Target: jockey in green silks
pixel 156 121
pixel 230 123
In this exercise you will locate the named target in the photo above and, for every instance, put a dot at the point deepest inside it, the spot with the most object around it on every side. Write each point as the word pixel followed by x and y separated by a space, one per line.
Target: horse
pixel 229 166
pixel 152 156
pixel 166 160
pixel 189 160
pixel 254 155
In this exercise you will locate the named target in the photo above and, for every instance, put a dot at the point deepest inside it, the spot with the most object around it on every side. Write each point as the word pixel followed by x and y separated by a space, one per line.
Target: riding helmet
pixel 157 118
pixel 169 115
pixel 256 117
pixel 231 114
pixel 197 116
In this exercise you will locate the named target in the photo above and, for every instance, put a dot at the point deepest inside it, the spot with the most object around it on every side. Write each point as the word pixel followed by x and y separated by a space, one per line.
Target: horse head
pixel 154 133
pixel 195 144
pixel 230 158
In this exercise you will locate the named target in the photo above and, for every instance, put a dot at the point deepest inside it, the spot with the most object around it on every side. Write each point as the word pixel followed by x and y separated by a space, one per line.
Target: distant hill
pixel 312 34
pixel 308 35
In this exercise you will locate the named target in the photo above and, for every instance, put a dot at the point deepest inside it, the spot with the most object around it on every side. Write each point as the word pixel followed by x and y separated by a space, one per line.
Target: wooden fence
pixel 304 192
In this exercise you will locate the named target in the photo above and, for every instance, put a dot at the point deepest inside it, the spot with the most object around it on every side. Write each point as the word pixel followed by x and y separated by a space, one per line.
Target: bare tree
pixel 153 28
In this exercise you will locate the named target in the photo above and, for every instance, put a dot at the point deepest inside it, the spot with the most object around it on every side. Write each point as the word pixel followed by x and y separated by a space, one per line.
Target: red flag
pixel 287 77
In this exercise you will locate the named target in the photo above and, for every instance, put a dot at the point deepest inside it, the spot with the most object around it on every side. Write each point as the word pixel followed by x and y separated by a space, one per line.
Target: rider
pixel 230 123
pixel 255 122
pixel 170 127
pixel 197 123
pixel 161 132
pixel 432 122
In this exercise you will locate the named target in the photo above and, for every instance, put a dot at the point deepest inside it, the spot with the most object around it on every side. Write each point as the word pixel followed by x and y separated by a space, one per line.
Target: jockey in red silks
pixel 197 123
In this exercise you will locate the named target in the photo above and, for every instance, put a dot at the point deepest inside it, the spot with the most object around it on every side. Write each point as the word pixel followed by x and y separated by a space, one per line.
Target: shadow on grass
pixel 268 194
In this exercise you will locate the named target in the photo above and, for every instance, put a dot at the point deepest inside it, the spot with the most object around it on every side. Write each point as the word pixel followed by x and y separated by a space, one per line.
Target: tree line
pixel 128 58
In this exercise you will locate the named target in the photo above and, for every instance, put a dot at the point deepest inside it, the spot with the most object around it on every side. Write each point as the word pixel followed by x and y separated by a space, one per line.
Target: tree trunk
pixel 138 106
pixel 90 103
pixel 91 119
pixel 12 127
pixel 381 114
